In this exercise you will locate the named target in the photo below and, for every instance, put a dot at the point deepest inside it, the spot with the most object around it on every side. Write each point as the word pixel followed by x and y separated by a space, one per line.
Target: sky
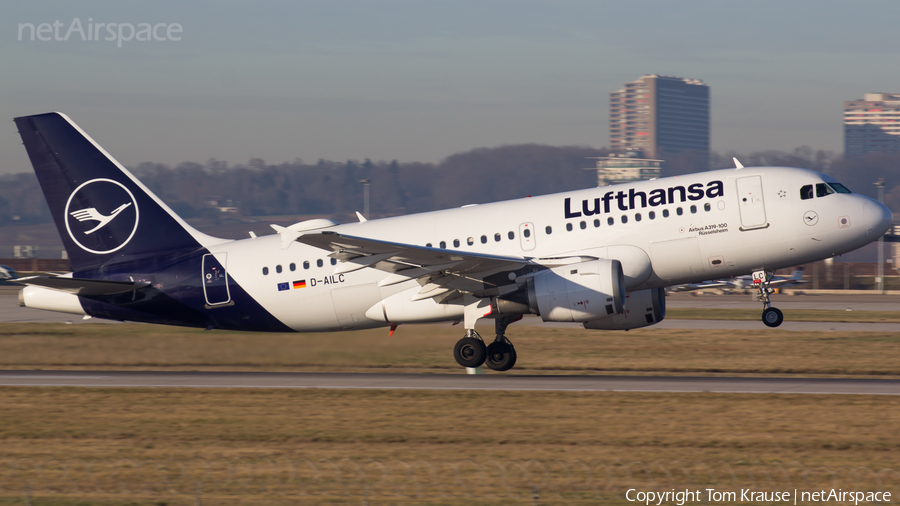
pixel 420 80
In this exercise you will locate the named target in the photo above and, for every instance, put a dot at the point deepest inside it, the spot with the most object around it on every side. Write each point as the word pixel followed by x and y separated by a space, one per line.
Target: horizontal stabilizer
pixel 79 286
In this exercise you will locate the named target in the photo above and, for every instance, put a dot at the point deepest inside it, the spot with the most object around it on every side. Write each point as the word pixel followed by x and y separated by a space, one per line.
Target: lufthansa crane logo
pixel 101 216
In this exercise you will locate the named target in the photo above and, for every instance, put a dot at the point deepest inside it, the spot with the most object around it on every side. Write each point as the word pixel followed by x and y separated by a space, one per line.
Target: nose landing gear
pixel 771 316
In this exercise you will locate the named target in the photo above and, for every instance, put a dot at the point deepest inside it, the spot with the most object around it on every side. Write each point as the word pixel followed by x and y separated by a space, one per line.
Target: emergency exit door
pixel 526 236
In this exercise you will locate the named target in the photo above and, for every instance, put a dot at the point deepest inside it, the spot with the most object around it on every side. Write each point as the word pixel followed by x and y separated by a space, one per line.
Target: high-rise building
pixel 872 125
pixel 659 116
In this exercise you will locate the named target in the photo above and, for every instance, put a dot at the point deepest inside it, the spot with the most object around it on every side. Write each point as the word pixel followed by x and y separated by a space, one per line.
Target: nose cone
pixel 878 219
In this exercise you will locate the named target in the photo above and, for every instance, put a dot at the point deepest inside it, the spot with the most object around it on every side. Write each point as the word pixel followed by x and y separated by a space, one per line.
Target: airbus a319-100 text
pixel 600 256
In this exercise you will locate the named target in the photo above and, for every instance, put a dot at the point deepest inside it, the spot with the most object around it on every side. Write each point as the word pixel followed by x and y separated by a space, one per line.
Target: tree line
pixel 334 189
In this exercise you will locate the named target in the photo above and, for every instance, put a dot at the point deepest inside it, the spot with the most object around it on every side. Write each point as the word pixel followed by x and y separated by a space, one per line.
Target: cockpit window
pixel 806 192
pixel 823 189
pixel 838 187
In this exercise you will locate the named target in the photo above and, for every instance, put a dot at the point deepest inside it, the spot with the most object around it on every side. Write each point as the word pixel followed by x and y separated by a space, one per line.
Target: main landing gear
pixel 500 355
pixel 771 316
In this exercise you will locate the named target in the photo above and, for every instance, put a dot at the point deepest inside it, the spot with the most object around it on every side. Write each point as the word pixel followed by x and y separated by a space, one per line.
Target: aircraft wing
pixel 80 286
pixel 442 273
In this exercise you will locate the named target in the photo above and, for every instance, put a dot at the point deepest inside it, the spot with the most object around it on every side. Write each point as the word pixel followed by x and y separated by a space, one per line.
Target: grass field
pixel 89 433
pixel 541 350
pixel 73 446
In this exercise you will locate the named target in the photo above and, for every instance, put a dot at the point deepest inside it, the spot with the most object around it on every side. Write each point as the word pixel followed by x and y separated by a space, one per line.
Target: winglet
pixel 362 219
pixel 737 165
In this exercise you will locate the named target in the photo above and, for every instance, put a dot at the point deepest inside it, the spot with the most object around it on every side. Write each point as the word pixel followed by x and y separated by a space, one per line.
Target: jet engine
pixel 642 308
pixel 37 297
pixel 570 293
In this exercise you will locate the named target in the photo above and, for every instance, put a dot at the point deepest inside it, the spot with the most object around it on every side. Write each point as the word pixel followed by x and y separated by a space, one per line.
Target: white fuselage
pixel 753 219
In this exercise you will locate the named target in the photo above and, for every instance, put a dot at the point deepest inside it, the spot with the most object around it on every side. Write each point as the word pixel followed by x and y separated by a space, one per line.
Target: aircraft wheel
pixel 469 352
pixel 772 317
pixel 500 356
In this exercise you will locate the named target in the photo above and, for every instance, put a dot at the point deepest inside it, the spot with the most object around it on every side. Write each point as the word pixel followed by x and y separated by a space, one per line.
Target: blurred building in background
pixel 625 168
pixel 872 125
pixel 659 116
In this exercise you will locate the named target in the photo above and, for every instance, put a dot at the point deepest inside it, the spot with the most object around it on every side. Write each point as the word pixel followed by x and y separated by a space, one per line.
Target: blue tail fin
pixel 103 213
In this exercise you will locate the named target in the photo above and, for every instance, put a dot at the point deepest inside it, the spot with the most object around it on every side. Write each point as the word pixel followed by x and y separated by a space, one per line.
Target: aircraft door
pixel 750 202
pixel 215 281
pixel 527 236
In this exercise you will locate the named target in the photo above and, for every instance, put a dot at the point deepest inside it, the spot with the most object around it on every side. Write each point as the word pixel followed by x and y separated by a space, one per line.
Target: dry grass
pixel 146 436
pixel 541 350
pixel 677 431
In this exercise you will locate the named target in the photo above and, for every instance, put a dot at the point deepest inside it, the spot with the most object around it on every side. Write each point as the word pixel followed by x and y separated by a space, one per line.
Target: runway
pixel 377 381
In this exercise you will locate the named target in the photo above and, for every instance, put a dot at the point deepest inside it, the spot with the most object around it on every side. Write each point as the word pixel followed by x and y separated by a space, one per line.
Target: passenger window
pixel 527 233
pixel 292 267
pixel 679 211
pixel 693 209
pixel 428 245
pixel 610 220
pixel 596 223
pixel 265 271
pixel 651 215
pixel 334 261
pixel 548 230
pixel 665 213
pixel 707 207
pixel 319 263
pixel 822 190
pixel 569 227
pixel 511 235
pixel 624 219
pixel 306 264
pixel 443 245
pixel 806 192
pixel 484 239
pixel 583 225
pixel 278 269
pixel 637 217
pixel 497 237
pixel 455 243
pixel 470 241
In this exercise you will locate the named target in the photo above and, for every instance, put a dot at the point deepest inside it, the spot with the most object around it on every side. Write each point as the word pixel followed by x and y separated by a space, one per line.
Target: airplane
pixel 568 257
pixel 7 273
pixel 742 283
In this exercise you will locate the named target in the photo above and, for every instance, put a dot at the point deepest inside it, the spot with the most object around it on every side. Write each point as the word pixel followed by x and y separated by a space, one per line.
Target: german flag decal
pixel 300 284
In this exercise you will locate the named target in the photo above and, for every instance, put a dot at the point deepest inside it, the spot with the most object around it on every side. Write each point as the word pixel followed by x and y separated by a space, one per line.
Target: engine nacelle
pixel 580 292
pixel 37 297
pixel 642 308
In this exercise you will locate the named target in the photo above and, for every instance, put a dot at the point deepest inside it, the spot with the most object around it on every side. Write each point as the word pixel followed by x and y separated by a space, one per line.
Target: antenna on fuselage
pixel 737 165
